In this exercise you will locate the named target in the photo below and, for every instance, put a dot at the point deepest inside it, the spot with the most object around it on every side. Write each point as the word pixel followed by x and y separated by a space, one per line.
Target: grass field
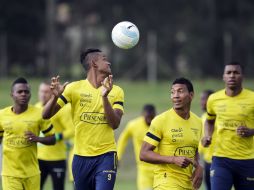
pixel 136 95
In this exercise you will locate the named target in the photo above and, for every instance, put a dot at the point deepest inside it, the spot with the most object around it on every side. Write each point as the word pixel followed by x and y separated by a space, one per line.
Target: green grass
pixel 136 95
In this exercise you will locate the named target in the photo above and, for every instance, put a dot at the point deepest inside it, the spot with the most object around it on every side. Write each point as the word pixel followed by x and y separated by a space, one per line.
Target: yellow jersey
pixel 63 124
pixel 230 113
pixel 93 134
pixel 135 129
pixel 174 136
pixel 19 155
pixel 207 152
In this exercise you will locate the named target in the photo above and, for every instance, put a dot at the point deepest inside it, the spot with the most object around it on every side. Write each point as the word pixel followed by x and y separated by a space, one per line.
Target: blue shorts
pixel 207 168
pixel 95 172
pixel 226 172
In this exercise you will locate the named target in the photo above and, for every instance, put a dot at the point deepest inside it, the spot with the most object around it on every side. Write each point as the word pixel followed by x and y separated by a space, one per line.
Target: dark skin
pixel 21 95
pixel 181 99
pixel 99 74
pixel 233 78
pixel 148 117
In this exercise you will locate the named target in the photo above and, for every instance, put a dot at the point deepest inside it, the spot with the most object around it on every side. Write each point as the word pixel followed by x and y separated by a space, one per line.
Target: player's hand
pixel 182 161
pixel 206 141
pixel 107 85
pixel 31 137
pixel 197 177
pixel 244 131
pixel 55 86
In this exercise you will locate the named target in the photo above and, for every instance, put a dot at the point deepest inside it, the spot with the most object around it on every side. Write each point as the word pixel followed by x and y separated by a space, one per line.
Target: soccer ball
pixel 125 35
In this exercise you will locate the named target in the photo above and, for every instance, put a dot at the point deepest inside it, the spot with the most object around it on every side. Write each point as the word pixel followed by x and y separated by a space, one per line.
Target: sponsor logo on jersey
pixel 231 124
pixel 93 118
pixel 188 151
pixel 17 142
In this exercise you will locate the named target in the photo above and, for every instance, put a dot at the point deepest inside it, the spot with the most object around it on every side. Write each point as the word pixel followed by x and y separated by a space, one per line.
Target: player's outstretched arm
pixel 209 128
pixel 48 140
pixel 148 155
pixel 122 142
pixel 51 107
pixel 113 116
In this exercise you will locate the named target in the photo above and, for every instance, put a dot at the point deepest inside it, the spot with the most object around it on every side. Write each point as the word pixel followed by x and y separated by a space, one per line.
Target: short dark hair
pixel 20 80
pixel 84 58
pixel 149 108
pixel 184 81
pixel 235 63
pixel 208 92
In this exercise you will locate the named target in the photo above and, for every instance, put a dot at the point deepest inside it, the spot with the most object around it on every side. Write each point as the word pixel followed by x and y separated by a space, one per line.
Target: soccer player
pixel 206 152
pixel 52 159
pixel 20 126
pixel 233 110
pixel 176 133
pixel 136 129
pixel 97 108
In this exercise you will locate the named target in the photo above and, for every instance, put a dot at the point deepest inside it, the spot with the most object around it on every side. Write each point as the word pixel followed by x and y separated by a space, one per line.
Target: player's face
pixel 44 93
pixel 149 117
pixel 103 64
pixel 180 96
pixel 233 76
pixel 21 94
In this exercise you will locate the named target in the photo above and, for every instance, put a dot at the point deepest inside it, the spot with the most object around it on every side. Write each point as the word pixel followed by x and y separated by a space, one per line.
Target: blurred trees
pixel 193 38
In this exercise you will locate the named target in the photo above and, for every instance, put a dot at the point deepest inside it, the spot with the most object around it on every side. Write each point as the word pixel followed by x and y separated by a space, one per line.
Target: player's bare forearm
pixel 31 137
pixel 209 128
pixel 49 140
pixel 196 159
pixel 244 131
pixel 51 108
pixel 197 177
pixel 148 155
pixel 113 116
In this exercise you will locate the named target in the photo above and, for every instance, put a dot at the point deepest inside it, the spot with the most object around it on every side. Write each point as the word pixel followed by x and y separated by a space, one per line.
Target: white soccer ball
pixel 125 35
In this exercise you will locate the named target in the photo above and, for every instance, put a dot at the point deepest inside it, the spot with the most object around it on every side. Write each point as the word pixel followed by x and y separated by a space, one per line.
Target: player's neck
pixel 18 109
pixel 233 92
pixel 95 79
pixel 183 113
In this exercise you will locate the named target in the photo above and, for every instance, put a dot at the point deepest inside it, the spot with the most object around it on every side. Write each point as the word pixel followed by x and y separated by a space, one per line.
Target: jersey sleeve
pixel 65 96
pixel 123 140
pixel 119 100
pixel 154 134
pixel 210 114
pixel 46 127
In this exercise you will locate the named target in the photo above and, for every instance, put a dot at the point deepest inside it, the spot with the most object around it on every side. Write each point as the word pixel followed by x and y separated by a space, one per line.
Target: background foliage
pixel 191 37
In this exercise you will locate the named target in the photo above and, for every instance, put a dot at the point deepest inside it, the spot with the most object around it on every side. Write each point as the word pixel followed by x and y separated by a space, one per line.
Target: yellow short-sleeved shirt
pixel 63 124
pixel 136 129
pixel 19 155
pixel 230 113
pixel 174 136
pixel 93 135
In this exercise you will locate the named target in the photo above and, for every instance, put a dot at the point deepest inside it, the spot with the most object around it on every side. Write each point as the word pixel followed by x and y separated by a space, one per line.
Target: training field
pixel 136 95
